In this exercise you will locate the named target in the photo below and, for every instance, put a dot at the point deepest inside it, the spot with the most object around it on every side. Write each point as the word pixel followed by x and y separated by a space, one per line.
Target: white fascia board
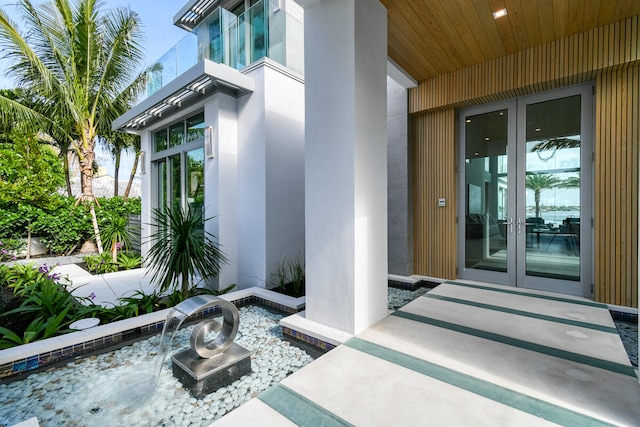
pixel 219 73
pixel 399 75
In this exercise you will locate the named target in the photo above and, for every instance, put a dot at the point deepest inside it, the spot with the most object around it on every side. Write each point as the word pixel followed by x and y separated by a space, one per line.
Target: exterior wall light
pixel 143 167
pixel 208 142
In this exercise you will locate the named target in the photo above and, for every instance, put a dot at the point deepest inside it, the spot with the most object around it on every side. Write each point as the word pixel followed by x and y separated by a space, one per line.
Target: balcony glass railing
pixel 264 30
pixel 176 61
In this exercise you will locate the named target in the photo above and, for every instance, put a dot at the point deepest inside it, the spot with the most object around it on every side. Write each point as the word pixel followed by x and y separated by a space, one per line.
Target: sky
pixel 160 35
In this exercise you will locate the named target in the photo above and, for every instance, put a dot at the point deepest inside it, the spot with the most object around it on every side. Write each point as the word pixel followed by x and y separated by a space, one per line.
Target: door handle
pixel 510 224
pixel 520 222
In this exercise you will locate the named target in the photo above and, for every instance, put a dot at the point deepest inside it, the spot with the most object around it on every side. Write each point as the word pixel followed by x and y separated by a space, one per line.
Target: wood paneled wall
pixel 617 136
pixel 571 60
pixel 435 227
pixel 610 55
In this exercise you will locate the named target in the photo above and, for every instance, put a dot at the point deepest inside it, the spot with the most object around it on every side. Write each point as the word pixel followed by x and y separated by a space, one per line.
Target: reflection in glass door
pixel 488 217
pixel 554 175
pixel 526 187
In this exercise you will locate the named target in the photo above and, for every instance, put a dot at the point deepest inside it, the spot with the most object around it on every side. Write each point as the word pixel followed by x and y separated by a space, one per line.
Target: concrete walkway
pixel 105 289
pixel 465 354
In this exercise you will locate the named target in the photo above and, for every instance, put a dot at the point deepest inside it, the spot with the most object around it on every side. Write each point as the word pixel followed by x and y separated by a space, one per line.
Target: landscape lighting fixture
pixel 500 13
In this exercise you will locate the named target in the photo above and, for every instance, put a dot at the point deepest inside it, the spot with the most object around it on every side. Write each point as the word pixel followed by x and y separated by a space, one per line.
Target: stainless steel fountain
pixel 208 365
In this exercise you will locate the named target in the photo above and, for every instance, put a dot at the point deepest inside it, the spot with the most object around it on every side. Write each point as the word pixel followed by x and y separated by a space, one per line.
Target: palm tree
pixel 136 148
pixel 538 183
pixel 78 61
pixel 116 234
pixel 181 249
pixel 571 182
pixel 117 142
pixel 556 144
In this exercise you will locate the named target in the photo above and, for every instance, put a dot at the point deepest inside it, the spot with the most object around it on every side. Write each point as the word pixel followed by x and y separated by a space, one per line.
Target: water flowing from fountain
pixel 134 390
pixel 174 320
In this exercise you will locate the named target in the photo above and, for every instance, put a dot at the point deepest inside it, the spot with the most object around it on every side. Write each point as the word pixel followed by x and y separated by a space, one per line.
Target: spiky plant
pixel 181 249
pixel 115 233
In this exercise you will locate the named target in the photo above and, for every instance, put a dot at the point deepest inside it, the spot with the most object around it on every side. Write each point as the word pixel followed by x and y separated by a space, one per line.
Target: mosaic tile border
pixel 22 366
pixel 48 358
pixel 307 339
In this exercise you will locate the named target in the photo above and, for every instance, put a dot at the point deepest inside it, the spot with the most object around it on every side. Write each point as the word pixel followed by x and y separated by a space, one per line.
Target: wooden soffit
pixel 432 37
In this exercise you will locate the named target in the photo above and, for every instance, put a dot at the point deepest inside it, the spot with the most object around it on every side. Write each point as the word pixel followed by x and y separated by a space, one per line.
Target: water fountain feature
pixel 207 366
pixel 202 368
pixel 85 391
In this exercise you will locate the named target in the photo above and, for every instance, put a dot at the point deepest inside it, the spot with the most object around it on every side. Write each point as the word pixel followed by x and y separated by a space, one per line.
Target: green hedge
pixel 63 225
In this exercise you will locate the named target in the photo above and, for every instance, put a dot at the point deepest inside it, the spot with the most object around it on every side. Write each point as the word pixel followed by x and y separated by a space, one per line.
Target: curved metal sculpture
pixel 209 365
pixel 226 332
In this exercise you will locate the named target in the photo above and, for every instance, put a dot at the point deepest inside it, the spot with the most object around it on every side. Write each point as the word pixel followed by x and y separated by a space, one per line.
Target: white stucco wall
pixel 221 182
pixel 284 126
pixel 270 174
pixel 251 186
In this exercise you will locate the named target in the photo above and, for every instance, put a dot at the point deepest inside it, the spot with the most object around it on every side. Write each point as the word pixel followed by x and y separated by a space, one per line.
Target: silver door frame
pixel 516 273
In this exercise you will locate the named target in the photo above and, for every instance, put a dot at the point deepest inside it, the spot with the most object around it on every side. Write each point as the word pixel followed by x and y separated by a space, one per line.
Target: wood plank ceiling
pixel 432 37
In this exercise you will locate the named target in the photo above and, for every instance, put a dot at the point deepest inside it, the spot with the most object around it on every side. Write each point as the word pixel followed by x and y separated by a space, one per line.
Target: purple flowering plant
pixel 8 249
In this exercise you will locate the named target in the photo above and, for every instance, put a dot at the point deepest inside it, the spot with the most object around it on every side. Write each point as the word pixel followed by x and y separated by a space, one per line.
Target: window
pixel 179 163
pixel 175 135
pixel 160 139
pixel 195 127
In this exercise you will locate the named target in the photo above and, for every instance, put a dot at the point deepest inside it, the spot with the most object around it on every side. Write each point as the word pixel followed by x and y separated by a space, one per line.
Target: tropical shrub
pixel 62 226
pixel 46 308
pixel 8 248
pixel 35 304
pixel 289 276
pixel 12 224
pixel 100 264
pixel 117 206
pixel 103 263
pixel 181 249
pixel 129 261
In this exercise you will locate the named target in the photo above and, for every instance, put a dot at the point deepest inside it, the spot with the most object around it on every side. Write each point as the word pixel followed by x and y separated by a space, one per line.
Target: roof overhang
pixel 198 82
pixel 193 13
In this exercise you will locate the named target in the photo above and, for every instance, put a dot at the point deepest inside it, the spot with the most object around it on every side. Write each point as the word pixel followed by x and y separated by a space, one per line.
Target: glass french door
pixel 526 182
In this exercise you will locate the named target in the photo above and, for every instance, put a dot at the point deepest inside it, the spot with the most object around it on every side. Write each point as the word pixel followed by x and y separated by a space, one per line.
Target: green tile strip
pixel 505 396
pixel 298 409
pixel 539 348
pixel 577 323
pixel 529 294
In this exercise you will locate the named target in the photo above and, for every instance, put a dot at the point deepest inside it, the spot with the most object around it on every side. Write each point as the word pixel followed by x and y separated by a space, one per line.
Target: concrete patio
pixel 465 354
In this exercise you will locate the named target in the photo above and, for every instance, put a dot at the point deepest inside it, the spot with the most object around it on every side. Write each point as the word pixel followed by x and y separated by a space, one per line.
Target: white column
pixel 345 163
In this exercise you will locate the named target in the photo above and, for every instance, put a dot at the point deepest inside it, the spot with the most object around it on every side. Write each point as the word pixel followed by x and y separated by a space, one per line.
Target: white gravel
pixel 402 297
